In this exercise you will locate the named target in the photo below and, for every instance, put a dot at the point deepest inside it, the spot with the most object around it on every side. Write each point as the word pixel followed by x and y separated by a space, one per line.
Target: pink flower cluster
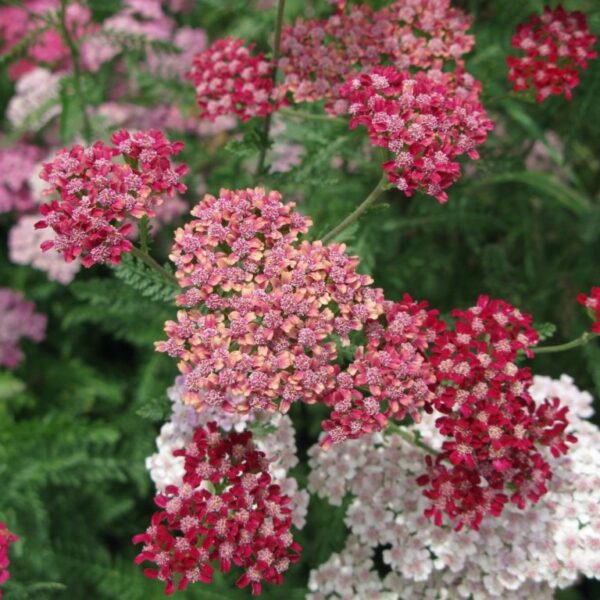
pixel 18 320
pixel 592 303
pixel 494 431
pixel 6 539
pixel 16 164
pixel 18 21
pixel 98 196
pixel 425 120
pixel 263 311
pixel 557 45
pixel 227 509
pixel 392 369
pixel 230 79
pixel 320 55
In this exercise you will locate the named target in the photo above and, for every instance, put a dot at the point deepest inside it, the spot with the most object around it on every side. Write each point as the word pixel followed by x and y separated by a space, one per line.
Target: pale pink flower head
pixel 230 78
pixel 16 166
pixel 556 46
pixel 262 310
pixel 18 320
pixel 426 120
pixel 227 510
pixel 99 196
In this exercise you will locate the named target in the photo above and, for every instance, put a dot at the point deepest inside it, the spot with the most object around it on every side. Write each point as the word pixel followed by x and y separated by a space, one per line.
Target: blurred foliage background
pixel 80 415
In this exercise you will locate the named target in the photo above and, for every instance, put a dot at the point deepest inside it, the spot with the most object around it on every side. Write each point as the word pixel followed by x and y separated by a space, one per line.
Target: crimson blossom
pixel 6 539
pixel 227 510
pixel 99 196
pixel 230 79
pixel 557 45
pixel 262 312
pixel 389 377
pixel 592 303
pixel 320 55
pixel 494 431
pixel 425 120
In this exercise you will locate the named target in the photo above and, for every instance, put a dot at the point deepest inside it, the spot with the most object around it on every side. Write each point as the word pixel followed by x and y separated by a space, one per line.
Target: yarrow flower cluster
pixel 18 320
pixel 16 165
pixel 273 434
pixel 6 539
pixel 263 311
pixel 393 366
pixel 592 303
pixel 320 55
pixel 494 432
pixel 230 79
pixel 524 555
pixel 98 196
pixel 556 46
pixel 425 120
pixel 227 510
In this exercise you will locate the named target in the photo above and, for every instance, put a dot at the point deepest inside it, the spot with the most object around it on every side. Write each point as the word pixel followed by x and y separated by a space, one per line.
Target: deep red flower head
pixel 6 539
pixel 494 431
pixel 226 513
pixel 592 303
pixel 230 79
pixel 389 377
pixel 262 311
pixel 556 46
pixel 425 120
pixel 99 197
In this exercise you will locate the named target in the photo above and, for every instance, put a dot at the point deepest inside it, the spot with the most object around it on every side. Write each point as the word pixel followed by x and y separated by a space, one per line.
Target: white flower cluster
pixel 273 434
pixel 35 101
pixel 395 553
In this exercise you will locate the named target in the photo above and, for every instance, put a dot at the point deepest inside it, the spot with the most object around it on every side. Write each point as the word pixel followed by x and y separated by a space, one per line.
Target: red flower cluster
pixel 319 56
pixel 592 303
pixel 263 311
pixel 227 510
pixel 556 45
pixel 6 539
pixel 392 369
pixel 426 120
pixel 494 430
pixel 229 79
pixel 98 196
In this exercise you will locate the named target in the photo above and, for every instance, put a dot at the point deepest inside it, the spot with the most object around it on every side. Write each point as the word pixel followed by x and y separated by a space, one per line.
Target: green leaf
pixel 147 282
pixel 545 330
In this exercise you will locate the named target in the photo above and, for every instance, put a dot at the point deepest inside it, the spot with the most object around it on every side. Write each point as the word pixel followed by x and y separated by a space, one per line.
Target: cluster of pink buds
pixel 425 120
pixel 230 79
pixel 227 510
pixel 6 539
pixel 392 368
pixel 556 46
pixel 263 311
pixel 494 431
pixel 320 55
pixel 592 303
pixel 99 196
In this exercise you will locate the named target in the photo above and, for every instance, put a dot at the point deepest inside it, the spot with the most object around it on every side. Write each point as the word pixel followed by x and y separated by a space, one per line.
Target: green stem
pixel 580 341
pixel 267 125
pixel 356 214
pixel 410 438
pixel 150 262
pixel 66 35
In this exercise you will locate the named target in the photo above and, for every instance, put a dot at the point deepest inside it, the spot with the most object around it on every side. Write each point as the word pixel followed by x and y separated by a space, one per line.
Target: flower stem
pixel 410 438
pixel 66 35
pixel 356 214
pixel 150 262
pixel 267 124
pixel 580 341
